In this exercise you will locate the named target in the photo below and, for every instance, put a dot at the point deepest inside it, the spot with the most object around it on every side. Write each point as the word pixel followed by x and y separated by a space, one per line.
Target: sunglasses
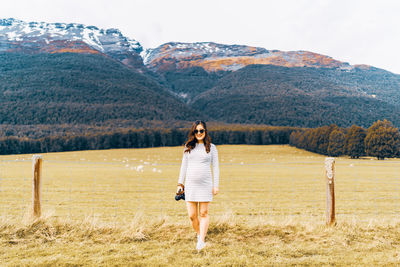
pixel 201 131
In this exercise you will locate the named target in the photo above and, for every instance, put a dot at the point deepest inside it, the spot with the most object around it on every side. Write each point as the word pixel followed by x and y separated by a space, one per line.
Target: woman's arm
pixel 215 164
pixel 184 165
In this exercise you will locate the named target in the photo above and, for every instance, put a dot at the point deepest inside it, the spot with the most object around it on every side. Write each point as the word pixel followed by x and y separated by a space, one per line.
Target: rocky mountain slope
pixel 37 37
pixel 213 57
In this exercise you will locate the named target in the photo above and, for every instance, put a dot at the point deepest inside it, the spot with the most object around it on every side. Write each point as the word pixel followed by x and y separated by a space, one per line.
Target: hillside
pixel 244 84
pixel 308 97
pixel 71 88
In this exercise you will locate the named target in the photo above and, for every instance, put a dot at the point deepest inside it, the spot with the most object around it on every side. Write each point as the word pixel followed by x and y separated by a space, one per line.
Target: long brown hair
pixel 192 140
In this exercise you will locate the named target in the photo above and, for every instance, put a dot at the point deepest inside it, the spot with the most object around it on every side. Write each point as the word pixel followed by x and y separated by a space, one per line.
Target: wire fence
pixel 116 191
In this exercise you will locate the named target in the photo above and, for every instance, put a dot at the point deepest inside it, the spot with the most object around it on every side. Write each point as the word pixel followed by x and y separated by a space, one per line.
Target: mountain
pixel 214 57
pixel 192 68
pixel 242 84
pixel 42 37
pixel 71 74
pixel 72 77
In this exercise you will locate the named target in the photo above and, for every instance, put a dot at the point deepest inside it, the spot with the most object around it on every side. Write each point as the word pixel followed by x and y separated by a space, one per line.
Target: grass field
pixel 270 210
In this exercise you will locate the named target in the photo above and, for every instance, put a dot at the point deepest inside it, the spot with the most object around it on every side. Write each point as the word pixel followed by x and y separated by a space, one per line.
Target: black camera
pixel 180 195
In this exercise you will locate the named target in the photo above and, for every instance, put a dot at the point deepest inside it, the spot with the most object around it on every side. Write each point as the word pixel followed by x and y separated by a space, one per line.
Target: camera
pixel 180 195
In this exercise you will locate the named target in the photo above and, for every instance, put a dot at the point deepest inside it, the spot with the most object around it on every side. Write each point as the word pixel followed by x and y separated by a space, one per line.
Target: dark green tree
pixel 382 140
pixel 336 143
pixel 322 138
pixel 354 142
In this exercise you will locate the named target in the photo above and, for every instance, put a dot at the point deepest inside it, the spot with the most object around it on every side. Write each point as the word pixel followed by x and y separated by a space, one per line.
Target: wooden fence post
pixel 330 190
pixel 36 185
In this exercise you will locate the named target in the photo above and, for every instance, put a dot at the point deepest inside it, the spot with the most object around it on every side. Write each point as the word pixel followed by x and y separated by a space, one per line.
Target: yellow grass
pixel 99 209
pixel 230 242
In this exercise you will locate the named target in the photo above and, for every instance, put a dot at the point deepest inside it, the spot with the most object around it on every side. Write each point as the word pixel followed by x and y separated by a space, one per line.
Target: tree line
pixel 381 140
pixel 143 138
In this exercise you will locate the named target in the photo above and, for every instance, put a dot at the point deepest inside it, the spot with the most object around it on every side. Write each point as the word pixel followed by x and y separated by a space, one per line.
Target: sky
pixel 353 31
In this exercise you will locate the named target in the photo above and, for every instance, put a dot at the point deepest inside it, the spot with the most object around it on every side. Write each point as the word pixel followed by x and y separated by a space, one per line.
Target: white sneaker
pixel 200 245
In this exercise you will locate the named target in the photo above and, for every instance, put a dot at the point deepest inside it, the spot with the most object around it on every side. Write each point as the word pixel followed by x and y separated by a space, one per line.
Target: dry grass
pixel 230 242
pixel 278 181
pixel 98 209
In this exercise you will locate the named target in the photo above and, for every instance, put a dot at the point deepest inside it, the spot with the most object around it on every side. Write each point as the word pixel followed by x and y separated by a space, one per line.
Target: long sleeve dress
pixel 196 171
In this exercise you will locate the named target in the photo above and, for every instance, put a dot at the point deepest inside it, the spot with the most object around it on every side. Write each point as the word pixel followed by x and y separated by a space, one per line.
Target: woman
pixel 198 155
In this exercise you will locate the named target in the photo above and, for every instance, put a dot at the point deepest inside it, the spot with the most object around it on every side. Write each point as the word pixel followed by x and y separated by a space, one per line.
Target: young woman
pixel 199 187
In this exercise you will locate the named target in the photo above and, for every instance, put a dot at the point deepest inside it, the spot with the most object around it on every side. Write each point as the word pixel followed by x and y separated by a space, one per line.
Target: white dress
pixel 196 171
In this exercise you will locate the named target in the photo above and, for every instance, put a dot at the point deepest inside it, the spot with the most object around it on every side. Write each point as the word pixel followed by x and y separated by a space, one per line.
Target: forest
pixel 143 138
pixel 381 140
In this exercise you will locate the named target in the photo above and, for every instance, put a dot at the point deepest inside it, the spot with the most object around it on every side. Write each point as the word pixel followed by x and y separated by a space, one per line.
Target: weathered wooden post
pixel 330 190
pixel 36 185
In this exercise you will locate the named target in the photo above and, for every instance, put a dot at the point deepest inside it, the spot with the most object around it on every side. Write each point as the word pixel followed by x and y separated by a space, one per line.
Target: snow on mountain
pixel 34 37
pixel 213 57
pixel 31 37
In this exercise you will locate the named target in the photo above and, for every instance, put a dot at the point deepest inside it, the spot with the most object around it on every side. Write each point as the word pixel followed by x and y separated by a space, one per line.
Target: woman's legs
pixel 204 219
pixel 192 211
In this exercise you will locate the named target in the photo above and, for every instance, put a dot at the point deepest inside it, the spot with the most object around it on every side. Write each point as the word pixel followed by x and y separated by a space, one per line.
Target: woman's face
pixel 201 132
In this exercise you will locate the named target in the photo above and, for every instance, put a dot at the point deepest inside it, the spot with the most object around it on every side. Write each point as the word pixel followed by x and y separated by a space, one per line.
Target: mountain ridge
pixel 35 37
pixel 214 57
pixel 19 35
pixel 226 83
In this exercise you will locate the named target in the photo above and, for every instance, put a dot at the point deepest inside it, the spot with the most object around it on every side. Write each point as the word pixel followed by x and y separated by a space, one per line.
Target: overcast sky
pixel 354 31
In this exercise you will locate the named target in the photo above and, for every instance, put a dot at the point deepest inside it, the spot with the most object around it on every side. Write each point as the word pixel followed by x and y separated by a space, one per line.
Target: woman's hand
pixel 179 188
pixel 215 190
